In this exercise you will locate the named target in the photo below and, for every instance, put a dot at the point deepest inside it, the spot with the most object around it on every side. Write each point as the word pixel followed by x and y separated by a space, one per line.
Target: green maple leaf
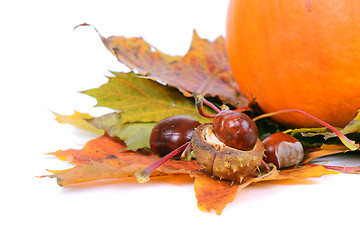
pixel 143 100
pixel 135 135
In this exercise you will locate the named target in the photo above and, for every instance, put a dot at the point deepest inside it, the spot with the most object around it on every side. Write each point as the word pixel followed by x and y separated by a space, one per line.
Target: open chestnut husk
pixel 223 161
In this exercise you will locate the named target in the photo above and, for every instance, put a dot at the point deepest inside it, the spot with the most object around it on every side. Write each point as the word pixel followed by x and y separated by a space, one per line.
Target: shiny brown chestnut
pixel 236 130
pixel 170 133
pixel 282 150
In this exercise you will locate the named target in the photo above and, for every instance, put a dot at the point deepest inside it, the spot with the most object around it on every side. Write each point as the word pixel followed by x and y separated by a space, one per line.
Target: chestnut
pixel 170 133
pixel 236 130
pixel 282 150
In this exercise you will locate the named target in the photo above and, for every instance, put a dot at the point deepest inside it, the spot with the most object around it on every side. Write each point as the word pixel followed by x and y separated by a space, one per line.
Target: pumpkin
pixel 297 54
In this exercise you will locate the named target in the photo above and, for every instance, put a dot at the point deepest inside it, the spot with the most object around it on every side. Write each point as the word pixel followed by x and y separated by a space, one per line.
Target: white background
pixel 44 65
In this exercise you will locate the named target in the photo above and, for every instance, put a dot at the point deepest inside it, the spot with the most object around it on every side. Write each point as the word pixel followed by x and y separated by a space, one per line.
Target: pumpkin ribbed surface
pixel 302 54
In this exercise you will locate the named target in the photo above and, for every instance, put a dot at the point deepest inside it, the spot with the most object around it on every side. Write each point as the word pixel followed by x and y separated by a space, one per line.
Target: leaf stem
pixel 210 104
pixel 264 164
pixel 339 168
pixel 347 142
pixel 199 102
pixel 144 175
pixel 243 109
pixel 186 154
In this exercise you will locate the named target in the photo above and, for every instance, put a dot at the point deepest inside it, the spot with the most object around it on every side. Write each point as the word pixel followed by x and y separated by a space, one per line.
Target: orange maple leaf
pixel 105 158
pixel 215 194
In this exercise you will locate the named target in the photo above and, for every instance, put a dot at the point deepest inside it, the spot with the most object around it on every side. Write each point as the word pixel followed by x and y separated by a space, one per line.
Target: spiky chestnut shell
pixel 236 130
pixel 282 150
pixel 221 160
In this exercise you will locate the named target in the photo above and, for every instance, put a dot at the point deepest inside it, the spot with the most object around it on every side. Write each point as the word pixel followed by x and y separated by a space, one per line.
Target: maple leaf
pixel 215 194
pixel 344 169
pixel 105 158
pixel 322 136
pixel 352 127
pixel 143 100
pixel 204 69
pixel 94 150
pixel 326 150
pixel 105 170
pixel 135 135
pixel 78 120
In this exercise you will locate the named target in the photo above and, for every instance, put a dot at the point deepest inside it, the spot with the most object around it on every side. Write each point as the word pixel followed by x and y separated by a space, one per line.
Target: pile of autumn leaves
pixel 163 87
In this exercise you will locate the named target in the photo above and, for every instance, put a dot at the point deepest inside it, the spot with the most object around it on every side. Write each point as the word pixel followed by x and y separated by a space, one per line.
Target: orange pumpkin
pixel 302 54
